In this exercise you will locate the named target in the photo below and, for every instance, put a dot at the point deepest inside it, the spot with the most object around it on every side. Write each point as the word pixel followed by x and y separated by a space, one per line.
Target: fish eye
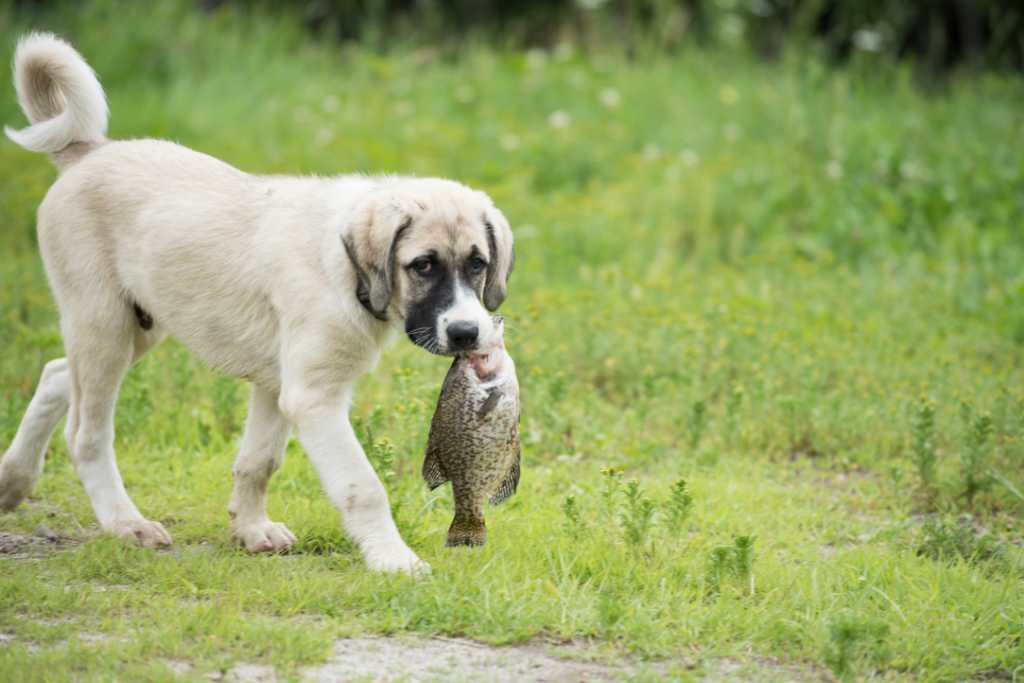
pixel 423 266
pixel 476 265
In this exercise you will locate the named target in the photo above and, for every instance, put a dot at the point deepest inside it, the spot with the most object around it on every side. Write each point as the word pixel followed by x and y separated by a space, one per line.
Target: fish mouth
pixel 485 365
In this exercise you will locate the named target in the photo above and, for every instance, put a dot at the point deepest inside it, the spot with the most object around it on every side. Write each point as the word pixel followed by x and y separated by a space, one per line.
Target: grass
pixel 781 283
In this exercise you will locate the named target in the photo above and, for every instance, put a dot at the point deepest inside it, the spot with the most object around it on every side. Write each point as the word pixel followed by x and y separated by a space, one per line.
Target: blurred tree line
pixel 936 34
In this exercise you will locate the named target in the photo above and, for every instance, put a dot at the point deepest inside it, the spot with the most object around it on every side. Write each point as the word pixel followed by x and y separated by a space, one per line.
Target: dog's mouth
pixel 426 338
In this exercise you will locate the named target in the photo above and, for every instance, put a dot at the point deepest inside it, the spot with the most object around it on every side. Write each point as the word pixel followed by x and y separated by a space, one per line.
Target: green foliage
pixel 975 454
pixel 611 486
pixel 680 505
pixel 735 561
pixel 636 514
pixel 573 522
pixel 698 417
pixel 947 540
pixel 852 640
pixel 924 444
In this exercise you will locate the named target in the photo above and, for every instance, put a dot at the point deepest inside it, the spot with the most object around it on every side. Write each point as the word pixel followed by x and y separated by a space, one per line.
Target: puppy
pixel 294 284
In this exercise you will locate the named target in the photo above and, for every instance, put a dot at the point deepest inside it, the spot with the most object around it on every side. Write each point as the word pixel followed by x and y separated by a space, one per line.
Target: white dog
pixel 294 284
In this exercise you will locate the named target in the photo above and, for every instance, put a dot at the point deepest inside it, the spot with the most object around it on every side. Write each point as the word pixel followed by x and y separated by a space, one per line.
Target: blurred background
pixel 936 34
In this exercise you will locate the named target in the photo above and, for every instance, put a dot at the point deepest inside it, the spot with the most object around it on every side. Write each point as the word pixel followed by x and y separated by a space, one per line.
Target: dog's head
pixel 434 255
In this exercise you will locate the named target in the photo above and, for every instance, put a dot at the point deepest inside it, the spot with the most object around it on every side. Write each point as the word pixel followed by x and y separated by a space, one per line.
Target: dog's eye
pixel 422 266
pixel 477 265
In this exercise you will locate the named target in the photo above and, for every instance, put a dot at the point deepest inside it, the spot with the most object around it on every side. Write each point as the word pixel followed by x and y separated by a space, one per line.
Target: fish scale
pixel 474 438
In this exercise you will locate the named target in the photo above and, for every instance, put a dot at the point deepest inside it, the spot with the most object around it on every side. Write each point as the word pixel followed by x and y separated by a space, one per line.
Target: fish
pixel 474 437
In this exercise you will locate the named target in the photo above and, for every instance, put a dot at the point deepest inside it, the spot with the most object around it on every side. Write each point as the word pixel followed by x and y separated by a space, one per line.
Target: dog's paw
pixel 142 531
pixel 14 487
pixel 396 558
pixel 263 537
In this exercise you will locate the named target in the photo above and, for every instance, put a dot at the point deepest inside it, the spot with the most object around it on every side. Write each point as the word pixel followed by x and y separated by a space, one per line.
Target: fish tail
pixel 468 530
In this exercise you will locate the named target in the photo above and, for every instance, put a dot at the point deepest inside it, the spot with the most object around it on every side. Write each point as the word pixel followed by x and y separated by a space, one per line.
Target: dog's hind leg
pixel 101 348
pixel 261 454
pixel 23 462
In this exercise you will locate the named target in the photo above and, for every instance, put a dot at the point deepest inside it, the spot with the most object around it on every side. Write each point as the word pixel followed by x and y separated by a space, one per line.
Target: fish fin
pixel 489 403
pixel 508 486
pixel 433 473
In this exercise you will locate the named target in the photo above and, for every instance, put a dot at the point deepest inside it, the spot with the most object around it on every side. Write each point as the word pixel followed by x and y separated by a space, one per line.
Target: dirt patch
pixel 457 659
pixel 386 659
pixel 41 543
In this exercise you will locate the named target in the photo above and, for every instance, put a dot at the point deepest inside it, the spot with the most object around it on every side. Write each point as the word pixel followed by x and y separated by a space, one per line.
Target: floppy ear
pixel 370 242
pixel 499 240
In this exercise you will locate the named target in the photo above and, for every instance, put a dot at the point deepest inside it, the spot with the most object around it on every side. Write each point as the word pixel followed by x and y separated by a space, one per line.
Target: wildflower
pixel 834 169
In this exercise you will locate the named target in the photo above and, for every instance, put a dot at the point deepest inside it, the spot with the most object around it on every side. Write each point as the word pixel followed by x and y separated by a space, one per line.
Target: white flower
pixel 834 169
pixel 559 119
pixel 610 98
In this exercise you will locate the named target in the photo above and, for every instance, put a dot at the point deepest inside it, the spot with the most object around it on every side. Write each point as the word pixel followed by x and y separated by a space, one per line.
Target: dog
pixel 294 284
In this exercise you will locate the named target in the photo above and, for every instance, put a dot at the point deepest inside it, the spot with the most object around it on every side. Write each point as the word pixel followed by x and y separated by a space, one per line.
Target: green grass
pixel 747 276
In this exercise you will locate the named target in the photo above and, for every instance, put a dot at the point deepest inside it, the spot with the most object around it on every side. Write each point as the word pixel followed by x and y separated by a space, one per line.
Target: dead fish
pixel 474 437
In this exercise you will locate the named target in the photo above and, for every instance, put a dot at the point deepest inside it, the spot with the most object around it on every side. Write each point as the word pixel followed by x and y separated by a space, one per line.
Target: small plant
pixel 974 457
pixel 924 444
pixel 637 514
pixel 850 638
pixel 573 522
pixel 612 484
pixel 743 556
pixel 949 540
pixel 698 417
pixel 382 457
pixel 736 560
pixel 732 408
pixel 718 567
pixel 680 504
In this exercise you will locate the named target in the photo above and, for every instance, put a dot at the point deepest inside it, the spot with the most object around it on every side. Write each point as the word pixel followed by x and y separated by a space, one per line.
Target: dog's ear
pixel 370 242
pixel 503 256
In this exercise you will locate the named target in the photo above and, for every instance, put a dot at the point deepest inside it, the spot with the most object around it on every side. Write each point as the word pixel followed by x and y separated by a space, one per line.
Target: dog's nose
pixel 462 335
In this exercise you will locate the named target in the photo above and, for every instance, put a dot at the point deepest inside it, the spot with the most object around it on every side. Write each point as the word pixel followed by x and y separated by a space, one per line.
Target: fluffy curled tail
pixel 59 94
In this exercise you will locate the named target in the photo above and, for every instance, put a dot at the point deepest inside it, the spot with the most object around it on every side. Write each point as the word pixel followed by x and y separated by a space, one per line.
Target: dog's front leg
pixel 348 478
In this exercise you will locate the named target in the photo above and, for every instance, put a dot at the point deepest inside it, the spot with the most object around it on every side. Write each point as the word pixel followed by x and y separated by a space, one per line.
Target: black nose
pixel 462 335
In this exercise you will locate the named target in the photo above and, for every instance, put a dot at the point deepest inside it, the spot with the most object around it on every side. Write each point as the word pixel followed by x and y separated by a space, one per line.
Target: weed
pixel 611 478
pixel 698 418
pixel 382 457
pixel 735 561
pixel 850 639
pixel 947 540
pixel 924 444
pixel 636 514
pixel 680 505
pixel 573 522
pixel 975 455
